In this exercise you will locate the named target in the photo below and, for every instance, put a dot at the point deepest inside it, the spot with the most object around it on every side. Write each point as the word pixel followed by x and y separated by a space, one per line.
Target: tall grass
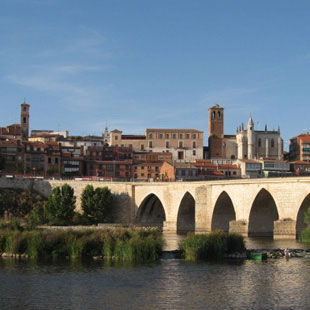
pixel 212 246
pixel 117 245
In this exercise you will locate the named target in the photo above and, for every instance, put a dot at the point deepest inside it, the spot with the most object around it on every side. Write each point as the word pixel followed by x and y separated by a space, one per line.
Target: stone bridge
pixel 254 207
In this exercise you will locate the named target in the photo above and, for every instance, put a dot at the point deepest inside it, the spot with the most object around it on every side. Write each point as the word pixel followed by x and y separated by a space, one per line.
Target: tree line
pixel 59 208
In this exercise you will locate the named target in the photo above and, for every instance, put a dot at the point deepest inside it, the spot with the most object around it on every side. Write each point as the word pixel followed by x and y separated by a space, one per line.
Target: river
pixel 168 284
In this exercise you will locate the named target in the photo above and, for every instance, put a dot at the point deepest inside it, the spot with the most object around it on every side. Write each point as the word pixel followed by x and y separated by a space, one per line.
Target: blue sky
pixel 139 64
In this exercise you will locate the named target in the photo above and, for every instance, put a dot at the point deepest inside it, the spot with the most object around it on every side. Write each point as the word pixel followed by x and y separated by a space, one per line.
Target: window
pixel 194 144
pixel 150 136
pixel 135 176
pixel 167 144
pixel 213 115
pixel 142 174
pixel 174 136
pixel 187 136
pixel 149 175
pixel 25 109
pixel 218 114
pixel 180 144
pixel 24 120
pixel 167 136
pixel 150 144
pixel 142 147
pixel 100 166
pixel 142 167
pixel 272 143
pixel 180 155
pixel 194 136
pixel 194 153
pixel 160 136
pixel 56 160
pixel 116 137
pixel 181 136
pixel 259 142
pixel 49 160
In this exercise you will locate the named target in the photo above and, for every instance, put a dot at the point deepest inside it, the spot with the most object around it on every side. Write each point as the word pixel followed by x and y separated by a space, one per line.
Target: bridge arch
pixel 186 214
pixel 262 215
pixel 300 218
pixel 223 213
pixel 151 212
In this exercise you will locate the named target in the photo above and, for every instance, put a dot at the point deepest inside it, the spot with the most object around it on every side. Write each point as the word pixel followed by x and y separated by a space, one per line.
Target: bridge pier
pixel 240 227
pixel 170 226
pixel 284 229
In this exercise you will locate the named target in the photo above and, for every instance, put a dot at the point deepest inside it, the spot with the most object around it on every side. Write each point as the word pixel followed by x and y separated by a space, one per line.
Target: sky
pixel 136 64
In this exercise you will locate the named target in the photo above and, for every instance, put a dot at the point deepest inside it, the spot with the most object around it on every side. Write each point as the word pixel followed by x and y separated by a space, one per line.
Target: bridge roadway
pixel 255 207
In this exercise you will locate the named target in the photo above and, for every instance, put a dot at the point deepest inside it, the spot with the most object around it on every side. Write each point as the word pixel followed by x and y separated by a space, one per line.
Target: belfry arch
pixel 151 212
pixel 223 213
pixel 300 220
pixel 262 215
pixel 186 214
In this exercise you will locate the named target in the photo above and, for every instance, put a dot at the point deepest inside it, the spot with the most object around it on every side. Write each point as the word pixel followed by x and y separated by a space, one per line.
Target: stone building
pixel 185 145
pixel 246 144
pixel 256 144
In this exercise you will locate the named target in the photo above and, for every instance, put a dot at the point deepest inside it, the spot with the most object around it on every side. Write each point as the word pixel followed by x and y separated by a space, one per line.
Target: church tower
pixel 24 120
pixel 251 139
pixel 216 131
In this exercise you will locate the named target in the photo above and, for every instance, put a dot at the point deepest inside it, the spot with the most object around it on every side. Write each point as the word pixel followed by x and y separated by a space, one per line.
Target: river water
pixel 168 284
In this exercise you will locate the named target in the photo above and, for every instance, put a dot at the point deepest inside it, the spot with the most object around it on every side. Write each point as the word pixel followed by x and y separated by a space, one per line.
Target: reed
pixel 117 245
pixel 213 246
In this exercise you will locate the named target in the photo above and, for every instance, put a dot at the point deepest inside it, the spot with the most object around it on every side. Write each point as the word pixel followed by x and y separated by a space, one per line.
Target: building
pixel 186 145
pixel 250 168
pixel 300 148
pixel 275 168
pixel 135 142
pixel 246 144
pixel 17 131
pixel 254 144
pixel 152 156
pixel 300 168
pixel 11 155
pixel 109 162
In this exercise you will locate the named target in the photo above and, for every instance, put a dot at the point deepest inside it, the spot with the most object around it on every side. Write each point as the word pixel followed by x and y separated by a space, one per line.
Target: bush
pixel 212 246
pixel 18 203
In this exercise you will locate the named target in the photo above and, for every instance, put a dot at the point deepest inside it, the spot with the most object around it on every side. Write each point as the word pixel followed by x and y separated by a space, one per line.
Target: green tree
pixel 60 206
pixel 96 204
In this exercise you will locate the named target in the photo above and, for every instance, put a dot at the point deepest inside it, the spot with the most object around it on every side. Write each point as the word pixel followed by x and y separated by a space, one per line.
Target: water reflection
pixel 171 284
pixel 172 241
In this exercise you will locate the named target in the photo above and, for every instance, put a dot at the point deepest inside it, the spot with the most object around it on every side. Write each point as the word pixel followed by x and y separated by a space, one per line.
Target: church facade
pixel 248 143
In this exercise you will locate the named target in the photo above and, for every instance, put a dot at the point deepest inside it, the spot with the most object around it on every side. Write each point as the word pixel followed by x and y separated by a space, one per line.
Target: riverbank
pixel 122 245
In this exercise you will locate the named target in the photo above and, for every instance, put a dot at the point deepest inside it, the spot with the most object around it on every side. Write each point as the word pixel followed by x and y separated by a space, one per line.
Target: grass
pixel 117 245
pixel 213 246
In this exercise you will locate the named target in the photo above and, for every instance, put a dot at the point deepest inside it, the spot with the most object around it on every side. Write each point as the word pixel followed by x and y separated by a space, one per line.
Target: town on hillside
pixel 160 154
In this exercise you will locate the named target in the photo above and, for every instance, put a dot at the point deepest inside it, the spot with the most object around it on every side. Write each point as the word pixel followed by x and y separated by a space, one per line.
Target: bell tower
pixel 216 131
pixel 24 120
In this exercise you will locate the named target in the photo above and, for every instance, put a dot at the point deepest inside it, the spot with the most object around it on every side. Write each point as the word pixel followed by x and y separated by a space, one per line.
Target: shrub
pixel 212 246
